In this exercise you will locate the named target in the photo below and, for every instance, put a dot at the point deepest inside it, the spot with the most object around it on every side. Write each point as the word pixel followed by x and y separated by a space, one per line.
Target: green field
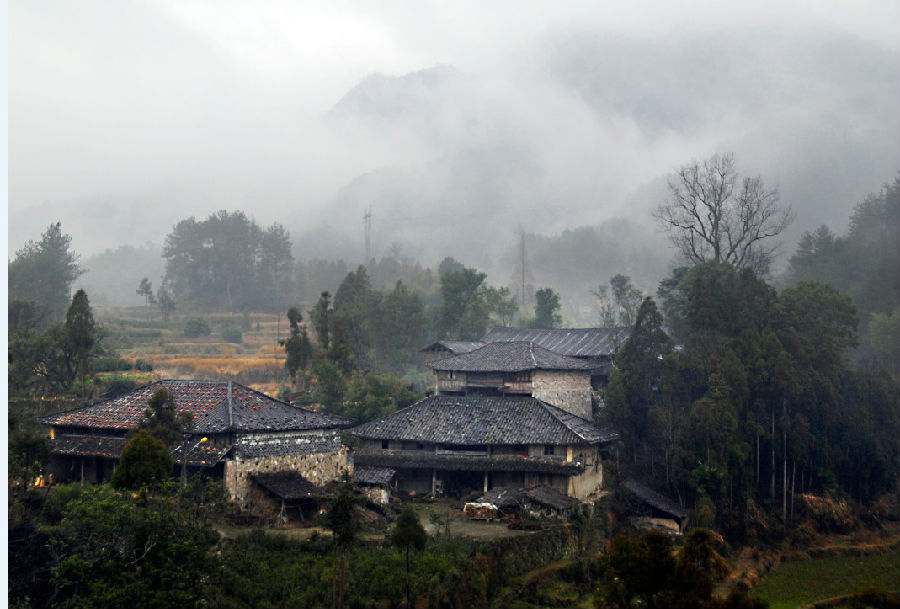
pixel 798 583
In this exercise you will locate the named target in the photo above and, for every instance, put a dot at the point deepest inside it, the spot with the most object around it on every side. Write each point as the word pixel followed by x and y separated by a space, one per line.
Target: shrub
pixel 144 461
pixel 111 364
pixel 232 335
pixel 117 387
pixel 196 326
pixel 143 365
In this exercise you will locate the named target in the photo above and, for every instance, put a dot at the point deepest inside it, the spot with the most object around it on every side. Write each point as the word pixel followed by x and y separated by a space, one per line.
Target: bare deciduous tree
pixel 713 214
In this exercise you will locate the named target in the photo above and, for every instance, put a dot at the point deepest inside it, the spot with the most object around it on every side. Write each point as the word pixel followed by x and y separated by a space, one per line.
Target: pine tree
pixel 81 334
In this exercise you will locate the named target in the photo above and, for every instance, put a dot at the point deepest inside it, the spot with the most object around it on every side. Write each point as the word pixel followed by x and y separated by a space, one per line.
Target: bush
pixel 874 597
pixel 143 365
pixel 111 364
pixel 232 335
pixel 117 387
pixel 196 326
pixel 145 461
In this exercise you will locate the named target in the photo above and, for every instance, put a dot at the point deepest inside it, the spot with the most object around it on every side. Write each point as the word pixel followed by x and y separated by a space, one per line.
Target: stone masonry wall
pixel 570 391
pixel 318 468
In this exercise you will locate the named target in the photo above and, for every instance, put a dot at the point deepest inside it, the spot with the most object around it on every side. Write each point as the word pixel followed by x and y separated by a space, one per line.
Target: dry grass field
pixel 258 360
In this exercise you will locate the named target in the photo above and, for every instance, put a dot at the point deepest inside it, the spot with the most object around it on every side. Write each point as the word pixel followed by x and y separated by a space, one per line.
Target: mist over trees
pixel 228 263
pixel 863 263
pixel 111 276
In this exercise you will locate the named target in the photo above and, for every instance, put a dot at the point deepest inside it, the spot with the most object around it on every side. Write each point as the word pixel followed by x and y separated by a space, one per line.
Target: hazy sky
pixel 144 112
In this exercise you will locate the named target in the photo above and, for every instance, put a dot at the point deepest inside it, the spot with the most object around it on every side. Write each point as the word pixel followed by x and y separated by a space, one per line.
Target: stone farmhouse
pixel 249 438
pixel 596 346
pixel 506 414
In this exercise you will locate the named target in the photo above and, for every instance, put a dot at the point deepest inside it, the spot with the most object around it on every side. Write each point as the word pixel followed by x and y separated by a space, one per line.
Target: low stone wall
pixel 318 468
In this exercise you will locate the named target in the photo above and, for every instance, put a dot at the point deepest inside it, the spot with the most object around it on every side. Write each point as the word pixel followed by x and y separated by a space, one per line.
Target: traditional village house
pixel 596 346
pixel 509 414
pixel 249 436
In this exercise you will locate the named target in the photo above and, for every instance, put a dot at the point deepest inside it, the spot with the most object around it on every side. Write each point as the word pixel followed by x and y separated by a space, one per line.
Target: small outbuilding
pixel 658 510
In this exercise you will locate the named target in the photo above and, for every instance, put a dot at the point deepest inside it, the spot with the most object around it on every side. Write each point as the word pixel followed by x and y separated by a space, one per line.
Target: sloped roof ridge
pixel 510 356
pixel 555 412
pixel 426 421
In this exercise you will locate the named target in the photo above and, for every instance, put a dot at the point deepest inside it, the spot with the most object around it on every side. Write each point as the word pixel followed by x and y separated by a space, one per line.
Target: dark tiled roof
pixel 574 342
pixel 204 455
pixel 289 485
pixel 509 499
pixel 278 446
pixel 87 446
pixel 446 419
pixel 550 497
pixel 474 463
pixel 454 346
pixel 503 497
pixel 207 402
pixel 510 357
pixel 657 500
pixel 374 476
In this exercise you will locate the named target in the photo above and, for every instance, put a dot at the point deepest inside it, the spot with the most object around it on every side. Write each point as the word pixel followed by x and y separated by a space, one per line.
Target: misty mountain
pixel 574 128
pixel 585 125
pixel 395 97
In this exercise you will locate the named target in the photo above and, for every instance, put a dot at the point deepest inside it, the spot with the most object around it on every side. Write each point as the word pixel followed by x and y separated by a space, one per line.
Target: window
pixel 549 449
pixel 384 444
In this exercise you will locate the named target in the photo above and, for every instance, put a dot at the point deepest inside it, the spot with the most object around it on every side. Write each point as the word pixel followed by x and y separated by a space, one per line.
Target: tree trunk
pixel 784 458
pixel 757 462
pixel 343 578
pixel 784 480
pixel 772 443
pixel 408 598
pixel 793 486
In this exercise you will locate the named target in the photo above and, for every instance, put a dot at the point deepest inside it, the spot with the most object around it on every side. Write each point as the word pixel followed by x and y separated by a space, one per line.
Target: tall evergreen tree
pixel 297 346
pixel 43 272
pixel 546 309
pixel 82 335
pixel 320 317
pixel 408 534
pixel 635 381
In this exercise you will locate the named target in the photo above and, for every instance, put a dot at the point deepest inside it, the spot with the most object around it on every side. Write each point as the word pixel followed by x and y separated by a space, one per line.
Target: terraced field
pixel 257 360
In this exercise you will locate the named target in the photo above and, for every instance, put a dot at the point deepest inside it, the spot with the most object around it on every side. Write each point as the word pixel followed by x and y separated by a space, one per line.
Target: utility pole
pixel 367 224
pixel 522 264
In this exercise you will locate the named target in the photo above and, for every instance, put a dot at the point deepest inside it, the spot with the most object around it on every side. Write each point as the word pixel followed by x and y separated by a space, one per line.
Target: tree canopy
pixel 227 262
pixel 145 461
pixel 43 272
pixel 755 405
pixel 863 264
pixel 714 215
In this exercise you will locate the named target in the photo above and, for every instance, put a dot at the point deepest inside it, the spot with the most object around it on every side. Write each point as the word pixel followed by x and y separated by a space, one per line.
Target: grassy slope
pixel 800 582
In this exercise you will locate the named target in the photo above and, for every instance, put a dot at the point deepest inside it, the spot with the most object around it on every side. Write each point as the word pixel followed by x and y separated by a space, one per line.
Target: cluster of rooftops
pixel 477 413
